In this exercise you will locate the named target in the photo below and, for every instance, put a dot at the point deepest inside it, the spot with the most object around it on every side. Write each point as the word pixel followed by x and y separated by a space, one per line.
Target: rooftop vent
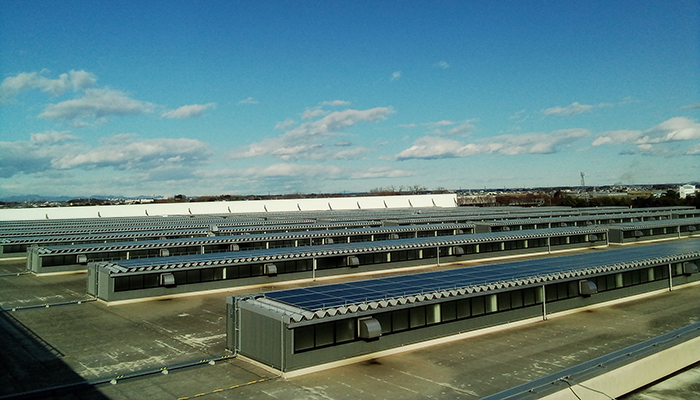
pixel 167 279
pixel 81 259
pixel 352 261
pixel 458 251
pixel 270 269
pixel 587 288
pixel 689 268
pixel 638 234
pixel 164 253
pixel 369 329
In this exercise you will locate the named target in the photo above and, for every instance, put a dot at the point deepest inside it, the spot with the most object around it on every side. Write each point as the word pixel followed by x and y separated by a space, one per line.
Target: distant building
pixel 686 190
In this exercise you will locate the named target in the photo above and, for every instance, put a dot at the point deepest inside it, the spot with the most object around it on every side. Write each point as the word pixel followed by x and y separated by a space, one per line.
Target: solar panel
pixel 318 297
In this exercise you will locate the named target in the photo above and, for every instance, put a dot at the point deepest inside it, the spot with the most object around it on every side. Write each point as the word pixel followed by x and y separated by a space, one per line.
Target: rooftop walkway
pixel 144 348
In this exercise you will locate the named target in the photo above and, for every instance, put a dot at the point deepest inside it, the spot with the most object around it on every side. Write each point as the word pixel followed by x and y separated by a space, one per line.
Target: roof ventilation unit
pixel 369 329
pixel 458 251
pixel 167 279
pixel 393 236
pixel 270 269
pixel 328 241
pixel 213 230
pixel 505 229
pixel 638 234
pixel 691 228
pixel 689 268
pixel 233 247
pixel 592 238
pixel 352 261
pixel 586 288
pixel 164 253
pixel 81 259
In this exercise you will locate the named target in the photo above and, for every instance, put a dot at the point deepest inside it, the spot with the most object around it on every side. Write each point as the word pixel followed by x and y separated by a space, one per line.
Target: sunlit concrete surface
pixel 681 386
pixel 97 343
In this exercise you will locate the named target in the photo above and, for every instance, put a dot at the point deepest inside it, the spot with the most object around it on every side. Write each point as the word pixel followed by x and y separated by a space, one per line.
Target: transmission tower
pixel 583 181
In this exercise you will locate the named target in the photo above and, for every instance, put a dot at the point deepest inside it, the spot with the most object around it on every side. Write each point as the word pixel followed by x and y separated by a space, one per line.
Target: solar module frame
pixel 343 294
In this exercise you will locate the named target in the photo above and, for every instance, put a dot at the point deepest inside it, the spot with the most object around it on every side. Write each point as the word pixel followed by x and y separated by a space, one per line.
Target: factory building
pixel 166 276
pixel 50 259
pixel 297 329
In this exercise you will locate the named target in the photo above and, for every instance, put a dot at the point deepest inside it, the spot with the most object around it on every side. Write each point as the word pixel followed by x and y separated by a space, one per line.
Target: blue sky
pixel 206 98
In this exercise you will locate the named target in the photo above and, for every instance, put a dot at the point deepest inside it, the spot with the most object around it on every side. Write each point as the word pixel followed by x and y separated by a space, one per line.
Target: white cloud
pixel 52 137
pixel 294 170
pixel 616 137
pixel 430 147
pixel 36 154
pixel 96 103
pixel 335 103
pixel 130 154
pixel 517 115
pixel 672 130
pixel 189 111
pixel 72 81
pixel 463 129
pixel 441 64
pixel 284 124
pixel 446 127
pixel 311 114
pixel 693 150
pixel 380 172
pixel 338 121
pixel 396 75
pixel 291 171
pixel 249 100
pixel 691 106
pixel 573 109
pixel 309 140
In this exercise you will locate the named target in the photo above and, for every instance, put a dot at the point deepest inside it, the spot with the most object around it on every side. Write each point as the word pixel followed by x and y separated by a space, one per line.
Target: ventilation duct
pixel 458 251
pixel 587 288
pixel 270 269
pixel 393 236
pixel 592 238
pixel 213 230
pixel 689 268
pixel 233 247
pixel 369 329
pixel 81 259
pixel 638 234
pixel 328 241
pixel 164 253
pixel 167 279
pixel 352 261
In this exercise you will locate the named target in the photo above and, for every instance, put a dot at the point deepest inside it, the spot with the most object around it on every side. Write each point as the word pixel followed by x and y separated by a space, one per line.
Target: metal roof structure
pixel 270 255
pixel 656 224
pixel 329 300
pixel 303 234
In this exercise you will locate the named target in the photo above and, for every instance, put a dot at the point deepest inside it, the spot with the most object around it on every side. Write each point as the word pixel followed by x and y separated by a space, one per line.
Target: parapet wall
pixel 231 207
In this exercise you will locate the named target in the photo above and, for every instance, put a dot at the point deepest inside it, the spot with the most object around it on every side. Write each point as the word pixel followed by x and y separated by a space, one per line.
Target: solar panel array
pixel 258 237
pixel 270 255
pixel 318 297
